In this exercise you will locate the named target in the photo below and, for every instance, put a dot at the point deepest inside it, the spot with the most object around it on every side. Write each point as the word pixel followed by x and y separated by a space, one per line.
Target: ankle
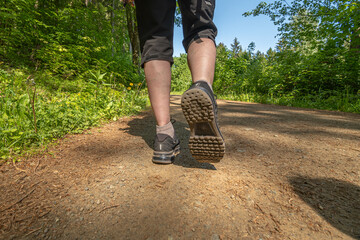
pixel 208 83
pixel 167 129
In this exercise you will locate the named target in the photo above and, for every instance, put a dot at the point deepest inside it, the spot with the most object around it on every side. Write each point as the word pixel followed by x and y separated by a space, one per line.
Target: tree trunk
pixel 113 28
pixel 133 34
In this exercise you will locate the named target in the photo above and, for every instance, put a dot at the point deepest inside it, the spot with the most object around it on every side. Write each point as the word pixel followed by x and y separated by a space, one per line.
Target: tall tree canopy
pixel 329 26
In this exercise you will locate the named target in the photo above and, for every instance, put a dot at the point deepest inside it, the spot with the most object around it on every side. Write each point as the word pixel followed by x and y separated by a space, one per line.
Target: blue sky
pixel 230 23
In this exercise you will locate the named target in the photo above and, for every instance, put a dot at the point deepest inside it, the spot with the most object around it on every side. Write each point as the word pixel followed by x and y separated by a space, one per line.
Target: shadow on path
pixel 338 202
pixel 238 117
pixel 145 128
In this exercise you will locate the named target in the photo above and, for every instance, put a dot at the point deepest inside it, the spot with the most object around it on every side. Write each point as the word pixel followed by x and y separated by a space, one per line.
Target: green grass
pixel 36 112
pixel 334 101
pixel 324 100
pixel 177 93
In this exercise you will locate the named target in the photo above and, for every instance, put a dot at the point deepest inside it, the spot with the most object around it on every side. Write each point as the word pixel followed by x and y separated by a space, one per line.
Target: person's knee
pixel 157 48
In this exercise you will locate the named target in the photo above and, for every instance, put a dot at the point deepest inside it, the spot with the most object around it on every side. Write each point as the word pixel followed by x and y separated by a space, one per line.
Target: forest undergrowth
pixel 39 109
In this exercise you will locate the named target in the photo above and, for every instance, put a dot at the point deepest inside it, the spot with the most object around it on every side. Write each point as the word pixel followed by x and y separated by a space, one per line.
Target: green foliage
pixel 66 38
pixel 181 74
pixel 287 77
pixel 336 101
pixel 57 112
pixel 327 31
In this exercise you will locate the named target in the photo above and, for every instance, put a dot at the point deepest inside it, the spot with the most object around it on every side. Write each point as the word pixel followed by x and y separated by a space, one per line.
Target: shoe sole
pixel 206 142
pixel 166 157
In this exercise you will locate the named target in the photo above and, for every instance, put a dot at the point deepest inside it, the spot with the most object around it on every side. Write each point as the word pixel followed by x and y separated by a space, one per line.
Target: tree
pixel 236 48
pixel 336 24
pixel 133 32
pixel 251 48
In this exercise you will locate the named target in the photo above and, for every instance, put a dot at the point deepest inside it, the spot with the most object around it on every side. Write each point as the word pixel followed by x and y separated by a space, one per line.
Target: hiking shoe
pixel 199 106
pixel 165 149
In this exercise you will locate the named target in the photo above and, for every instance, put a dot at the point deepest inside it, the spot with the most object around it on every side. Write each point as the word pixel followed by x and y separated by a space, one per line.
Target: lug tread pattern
pixel 197 107
pixel 209 149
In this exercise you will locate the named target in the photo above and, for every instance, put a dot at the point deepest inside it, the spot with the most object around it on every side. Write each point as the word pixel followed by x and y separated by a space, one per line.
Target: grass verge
pixel 334 101
pixel 324 100
pixel 35 112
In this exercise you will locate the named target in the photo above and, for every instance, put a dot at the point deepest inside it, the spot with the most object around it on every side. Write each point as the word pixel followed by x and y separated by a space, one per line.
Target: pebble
pixel 215 237
pixel 46 230
pixel 57 220
pixel 98 202
pixel 197 209
pixel 86 189
pixel 81 218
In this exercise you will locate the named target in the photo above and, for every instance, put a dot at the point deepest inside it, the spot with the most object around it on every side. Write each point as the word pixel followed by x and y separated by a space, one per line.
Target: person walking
pixel 156 26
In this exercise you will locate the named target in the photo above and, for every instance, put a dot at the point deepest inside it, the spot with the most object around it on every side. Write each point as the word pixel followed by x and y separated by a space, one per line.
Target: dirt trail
pixel 288 173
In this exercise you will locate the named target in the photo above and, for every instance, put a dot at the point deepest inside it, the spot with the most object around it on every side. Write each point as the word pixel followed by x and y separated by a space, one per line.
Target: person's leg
pixel 199 38
pixel 156 26
pixel 158 77
pixel 201 60
pixel 198 103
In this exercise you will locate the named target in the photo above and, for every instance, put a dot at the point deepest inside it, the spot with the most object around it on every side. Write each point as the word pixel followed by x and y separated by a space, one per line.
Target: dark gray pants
pixel 156 25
